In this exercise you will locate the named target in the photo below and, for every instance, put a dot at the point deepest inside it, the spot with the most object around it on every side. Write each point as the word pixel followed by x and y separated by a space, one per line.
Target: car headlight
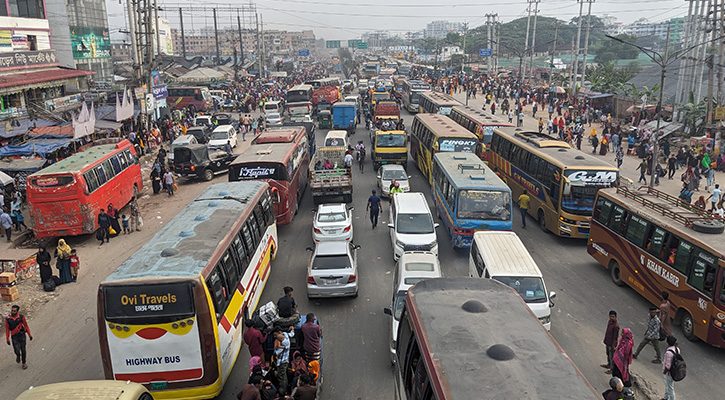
pixel 433 244
pixel 546 319
pixel 564 228
pixel 400 244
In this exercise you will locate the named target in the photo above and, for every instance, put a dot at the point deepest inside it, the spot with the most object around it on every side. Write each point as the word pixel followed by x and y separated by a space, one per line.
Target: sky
pixel 348 19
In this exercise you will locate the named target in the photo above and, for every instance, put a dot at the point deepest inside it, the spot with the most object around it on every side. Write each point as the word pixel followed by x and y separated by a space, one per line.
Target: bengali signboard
pixel 6 41
pixel 27 59
pixel 160 92
pixel 90 42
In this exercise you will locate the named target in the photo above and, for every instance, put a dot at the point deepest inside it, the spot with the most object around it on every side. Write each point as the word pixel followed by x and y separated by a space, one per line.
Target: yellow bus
pixel 431 133
pixel 437 103
pixel 561 181
pixel 171 316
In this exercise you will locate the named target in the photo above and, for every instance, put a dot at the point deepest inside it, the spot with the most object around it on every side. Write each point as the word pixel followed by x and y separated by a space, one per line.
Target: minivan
pixel 411 224
pixel 88 390
pixel 180 141
pixel 221 134
pixel 336 139
pixel 273 107
pixel 502 256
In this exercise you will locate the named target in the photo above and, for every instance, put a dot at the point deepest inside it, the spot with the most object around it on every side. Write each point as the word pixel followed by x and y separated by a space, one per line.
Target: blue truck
pixel 344 116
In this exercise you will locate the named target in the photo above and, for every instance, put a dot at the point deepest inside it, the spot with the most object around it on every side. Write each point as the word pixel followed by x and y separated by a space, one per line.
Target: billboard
pixel 90 42
pixel 165 39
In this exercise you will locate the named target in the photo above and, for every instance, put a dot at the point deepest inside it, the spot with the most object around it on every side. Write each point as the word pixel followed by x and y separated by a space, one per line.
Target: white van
pixel 221 134
pixel 88 390
pixel 274 107
pixel 411 225
pixel 336 139
pixel 180 141
pixel 502 256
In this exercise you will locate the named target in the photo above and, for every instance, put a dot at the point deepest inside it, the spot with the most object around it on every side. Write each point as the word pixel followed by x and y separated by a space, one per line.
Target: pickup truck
pixel 330 182
pixel 197 160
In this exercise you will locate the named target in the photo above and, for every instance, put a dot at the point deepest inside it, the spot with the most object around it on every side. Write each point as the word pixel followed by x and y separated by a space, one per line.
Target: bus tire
pixel 688 326
pixel 708 226
pixel 615 272
pixel 207 175
pixel 542 221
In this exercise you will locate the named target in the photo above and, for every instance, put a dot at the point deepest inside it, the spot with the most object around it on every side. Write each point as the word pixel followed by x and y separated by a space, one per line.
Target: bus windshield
pixel 584 185
pixel 295 96
pixel 390 140
pixel 148 303
pixel 414 224
pixel 484 204
pixel 531 289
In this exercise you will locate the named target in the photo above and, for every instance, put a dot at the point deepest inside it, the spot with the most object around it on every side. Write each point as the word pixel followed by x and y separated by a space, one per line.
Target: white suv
pixel 411 224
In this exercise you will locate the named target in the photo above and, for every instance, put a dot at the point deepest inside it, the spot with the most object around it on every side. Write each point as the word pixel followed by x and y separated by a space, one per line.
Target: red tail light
pixel 347 229
pixel 317 230
pixel 310 280
pixel 351 279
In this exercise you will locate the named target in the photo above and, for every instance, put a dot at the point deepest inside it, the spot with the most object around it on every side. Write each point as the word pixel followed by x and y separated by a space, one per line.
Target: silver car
pixel 332 271
pixel 332 222
pixel 389 172
pixel 273 119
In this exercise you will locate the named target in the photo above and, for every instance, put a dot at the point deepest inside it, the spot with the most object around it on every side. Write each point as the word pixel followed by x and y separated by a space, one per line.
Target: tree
pixel 607 78
pixel 611 50
pixel 694 116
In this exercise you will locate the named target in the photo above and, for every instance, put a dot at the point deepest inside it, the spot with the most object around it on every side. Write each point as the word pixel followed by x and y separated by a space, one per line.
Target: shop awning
pixel 34 146
pixel 41 77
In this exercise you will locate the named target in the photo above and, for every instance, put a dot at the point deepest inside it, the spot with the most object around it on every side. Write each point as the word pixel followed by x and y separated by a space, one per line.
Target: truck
pixel 344 116
pixel 389 147
pixel 335 182
pixel 371 69
pixel 197 160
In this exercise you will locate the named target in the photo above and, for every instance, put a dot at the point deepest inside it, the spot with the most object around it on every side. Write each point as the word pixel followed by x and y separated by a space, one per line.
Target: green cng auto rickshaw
pixel 324 119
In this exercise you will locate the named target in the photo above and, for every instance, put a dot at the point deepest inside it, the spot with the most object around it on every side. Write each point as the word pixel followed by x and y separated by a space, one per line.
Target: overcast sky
pixel 348 19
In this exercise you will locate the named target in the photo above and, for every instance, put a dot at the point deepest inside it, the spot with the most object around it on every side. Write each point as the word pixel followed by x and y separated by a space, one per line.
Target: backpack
pixel 678 368
pixel 49 285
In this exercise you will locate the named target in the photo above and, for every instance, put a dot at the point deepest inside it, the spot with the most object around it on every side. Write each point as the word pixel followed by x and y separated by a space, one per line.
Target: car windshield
pixel 390 140
pixel 397 174
pixel 331 217
pixel 484 204
pixel 399 302
pixel 531 289
pixel 219 135
pixel 331 262
pixel 415 224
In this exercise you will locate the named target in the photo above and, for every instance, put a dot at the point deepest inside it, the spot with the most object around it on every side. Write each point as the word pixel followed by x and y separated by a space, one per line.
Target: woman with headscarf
pixel 62 252
pixel 623 357
pixel 114 215
pixel 313 368
pixel 43 259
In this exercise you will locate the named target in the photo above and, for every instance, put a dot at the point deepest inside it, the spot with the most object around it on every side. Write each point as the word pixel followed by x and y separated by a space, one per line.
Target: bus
pixel 285 166
pixel 286 134
pixel 496 349
pixel 411 94
pixel 64 198
pixel 655 243
pixel 299 100
pixel 195 98
pixel 437 103
pixel 480 123
pixel 562 182
pixel 370 69
pixel 469 197
pixel 171 316
pixel 431 133
pixel 405 68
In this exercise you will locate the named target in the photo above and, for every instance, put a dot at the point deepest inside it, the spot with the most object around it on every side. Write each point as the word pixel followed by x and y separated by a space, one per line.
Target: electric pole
pixel 586 42
pixel 711 64
pixel 526 44
pixel 656 135
pixel 258 49
pixel 533 39
pixel 465 31
pixel 183 40
pixel 553 49
pixel 575 54
pixel 489 38
pixel 241 41
pixel 216 39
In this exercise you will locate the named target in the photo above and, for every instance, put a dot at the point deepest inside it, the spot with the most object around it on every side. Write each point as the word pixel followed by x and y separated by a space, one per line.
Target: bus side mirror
pixel 388 311
pixel 551 296
pixel 436 225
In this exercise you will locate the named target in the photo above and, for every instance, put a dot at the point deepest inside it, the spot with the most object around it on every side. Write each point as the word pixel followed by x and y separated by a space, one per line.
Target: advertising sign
pixel 20 43
pixel 304 53
pixel 160 92
pixel 90 42
pixel 12 60
pixel 6 41
pixel 485 52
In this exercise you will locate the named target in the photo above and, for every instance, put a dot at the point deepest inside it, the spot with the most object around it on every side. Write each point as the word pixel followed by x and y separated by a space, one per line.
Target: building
pixel 439 29
pixel 203 42
pixel 81 37
pixel 642 28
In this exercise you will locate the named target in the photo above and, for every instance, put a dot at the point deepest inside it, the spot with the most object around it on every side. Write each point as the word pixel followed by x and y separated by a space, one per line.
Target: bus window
pixel 254 228
pixel 268 209
pixel 618 220
pixel 604 211
pixel 636 230
pixel 91 181
pixel 248 239
pixel 722 289
pixel 231 271
pixel 421 387
pixel 702 275
pixel 108 169
pixel 682 256
pixel 656 242
pixel 215 284
pixel 116 165
pixel 238 247
pixel 122 159
pixel 101 175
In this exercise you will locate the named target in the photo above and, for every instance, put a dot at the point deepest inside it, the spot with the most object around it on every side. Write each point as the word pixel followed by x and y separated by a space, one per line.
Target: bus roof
pixel 268 152
pixel 184 246
pixel 556 150
pixel 471 328
pixel 479 116
pixel 441 125
pixel 441 98
pixel 467 171
pixel 278 135
pixel 300 87
pixel 507 252
pixel 77 162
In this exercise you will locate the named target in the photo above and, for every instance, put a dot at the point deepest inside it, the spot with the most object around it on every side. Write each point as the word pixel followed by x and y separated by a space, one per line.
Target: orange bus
pixel 655 243
pixel 64 198
pixel 479 123
pixel 284 166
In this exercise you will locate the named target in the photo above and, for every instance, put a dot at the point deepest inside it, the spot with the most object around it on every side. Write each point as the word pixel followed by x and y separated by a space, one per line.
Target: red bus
pixel 284 166
pixel 64 198
pixel 479 123
pixel 287 134
pixel 196 98
pixel 299 100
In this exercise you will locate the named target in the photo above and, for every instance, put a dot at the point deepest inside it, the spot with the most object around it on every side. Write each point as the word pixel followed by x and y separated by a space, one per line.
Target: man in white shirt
pixel 348 160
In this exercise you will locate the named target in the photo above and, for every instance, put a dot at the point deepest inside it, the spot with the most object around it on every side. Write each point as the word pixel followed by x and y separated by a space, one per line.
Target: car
pixel 332 270
pixel 181 141
pixel 201 133
pixel 332 222
pixel 226 119
pixel 273 119
pixel 197 160
pixel 411 224
pixel 221 134
pixel 387 173
pixel 203 120
pixel 412 267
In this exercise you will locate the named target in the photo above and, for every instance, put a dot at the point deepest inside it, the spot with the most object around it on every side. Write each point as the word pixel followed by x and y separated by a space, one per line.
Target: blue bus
pixel 469 196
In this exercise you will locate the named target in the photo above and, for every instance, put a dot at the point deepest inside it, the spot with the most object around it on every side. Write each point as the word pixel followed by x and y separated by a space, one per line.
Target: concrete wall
pixel 60 34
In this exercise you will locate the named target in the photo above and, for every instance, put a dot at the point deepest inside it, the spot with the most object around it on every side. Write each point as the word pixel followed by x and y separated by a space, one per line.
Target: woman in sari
pixel 62 252
pixel 623 357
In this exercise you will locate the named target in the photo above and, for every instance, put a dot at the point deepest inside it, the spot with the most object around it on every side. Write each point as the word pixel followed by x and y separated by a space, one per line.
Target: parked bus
pixel 431 133
pixel 287 134
pixel 493 330
pixel 469 197
pixel 299 100
pixel 562 182
pixel 657 243
pixel 64 198
pixel 195 98
pixel 284 166
pixel 437 103
pixel 170 317
pixel 479 123
pixel 411 94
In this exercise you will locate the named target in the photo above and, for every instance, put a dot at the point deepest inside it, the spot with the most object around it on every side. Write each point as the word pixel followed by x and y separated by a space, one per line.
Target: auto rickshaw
pixel 324 119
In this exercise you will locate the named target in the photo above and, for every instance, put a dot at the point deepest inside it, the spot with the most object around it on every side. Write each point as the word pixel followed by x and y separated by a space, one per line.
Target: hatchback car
pixel 389 172
pixel 332 270
pixel 273 119
pixel 332 222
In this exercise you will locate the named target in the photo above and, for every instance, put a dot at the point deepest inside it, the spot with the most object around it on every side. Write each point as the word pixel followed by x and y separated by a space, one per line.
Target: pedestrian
pixel 169 182
pixel 714 197
pixel 671 166
pixel 104 223
pixel 375 207
pixel 62 254
pixel 16 327
pixel 521 117
pixel 611 335
pixel 136 221
pixel 710 178
pixel 348 159
pixel 642 170
pixel 281 353
pixel 541 124
pixel 250 391
pixel 665 309
pixel 666 366
pixel 126 223
pixel 523 202
pixel 156 180
pixel 361 159
pixel 619 157
pixel 623 357
pixel 75 265
pixel 659 171
pixel 254 338
pixel 228 147
pixel 7 223
pixel 651 335
pixel 312 335
pixel 511 116
pixel 43 259
pixel 615 393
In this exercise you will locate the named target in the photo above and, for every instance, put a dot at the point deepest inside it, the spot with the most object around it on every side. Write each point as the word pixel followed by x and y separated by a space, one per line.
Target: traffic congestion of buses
pixel 209 265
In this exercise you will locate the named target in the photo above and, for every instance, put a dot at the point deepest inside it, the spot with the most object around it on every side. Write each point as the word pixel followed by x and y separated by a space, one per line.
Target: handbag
pixel 175 187
pixel 140 221
pixel 663 335
pixel 111 231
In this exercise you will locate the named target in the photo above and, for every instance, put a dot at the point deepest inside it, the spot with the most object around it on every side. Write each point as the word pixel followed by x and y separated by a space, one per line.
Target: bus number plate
pixel 158 385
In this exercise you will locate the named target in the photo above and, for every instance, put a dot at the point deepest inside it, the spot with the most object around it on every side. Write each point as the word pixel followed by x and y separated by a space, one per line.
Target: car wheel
pixel 615 272
pixel 355 295
pixel 688 327
pixel 208 175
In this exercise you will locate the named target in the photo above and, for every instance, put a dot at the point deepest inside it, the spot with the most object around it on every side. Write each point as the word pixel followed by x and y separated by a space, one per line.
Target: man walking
pixel 375 207
pixel 714 197
pixel 667 365
pixel 104 222
pixel 169 182
pixel 7 223
pixel 523 202
pixel 611 336
pixel 651 335
pixel 16 327
pixel 619 156
pixel 642 170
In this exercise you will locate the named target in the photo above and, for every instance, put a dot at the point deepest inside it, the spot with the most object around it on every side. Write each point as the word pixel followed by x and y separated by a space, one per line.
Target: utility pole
pixel 719 28
pixel 216 39
pixel 158 36
pixel 241 41
pixel 497 28
pixel 526 44
pixel 702 51
pixel 465 31
pixel 183 40
pixel 264 50
pixel 553 49
pixel 575 54
pixel 258 48
pixel 134 43
pixel 571 66
pixel 711 64
pixel 586 41
pixel 656 135
pixel 490 40
pixel 533 39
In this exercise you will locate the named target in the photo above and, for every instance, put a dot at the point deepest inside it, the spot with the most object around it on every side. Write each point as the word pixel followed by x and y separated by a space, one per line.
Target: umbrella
pixel 503 75
pixel 558 90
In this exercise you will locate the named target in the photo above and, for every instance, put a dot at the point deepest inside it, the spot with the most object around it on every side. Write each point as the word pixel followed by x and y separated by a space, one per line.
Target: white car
pixel 273 119
pixel 387 173
pixel 203 120
pixel 221 134
pixel 332 222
